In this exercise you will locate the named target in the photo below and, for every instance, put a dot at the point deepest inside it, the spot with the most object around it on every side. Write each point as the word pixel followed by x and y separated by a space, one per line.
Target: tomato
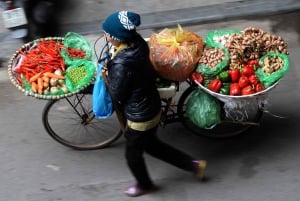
pixel 234 89
pixel 259 87
pixel 195 76
pixel 215 85
pixel 247 70
pixel 253 79
pixel 243 81
pixel 248 90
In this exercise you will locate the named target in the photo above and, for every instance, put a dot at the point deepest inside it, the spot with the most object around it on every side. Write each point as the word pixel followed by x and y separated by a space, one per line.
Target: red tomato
pixel 215 85
pixel 243 81
pixel 259 87
pixel 253 79
pixel 248 90
pixel 234 89
pixel 195 76
pixel 247 70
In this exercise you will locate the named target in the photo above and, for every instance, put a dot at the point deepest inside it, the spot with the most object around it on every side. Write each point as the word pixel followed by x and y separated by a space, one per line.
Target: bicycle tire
pixel 227 128
pixel 71 122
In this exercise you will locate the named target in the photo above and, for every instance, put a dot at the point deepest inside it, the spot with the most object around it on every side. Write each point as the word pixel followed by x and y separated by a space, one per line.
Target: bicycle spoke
pixel 71 122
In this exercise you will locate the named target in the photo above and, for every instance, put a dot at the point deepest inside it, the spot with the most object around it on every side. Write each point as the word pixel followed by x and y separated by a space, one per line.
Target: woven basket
pixel 13 76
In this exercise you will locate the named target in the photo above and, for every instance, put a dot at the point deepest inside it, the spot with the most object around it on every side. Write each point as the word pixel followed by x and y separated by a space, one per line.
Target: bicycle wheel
pixel 71 122
pixel 227 127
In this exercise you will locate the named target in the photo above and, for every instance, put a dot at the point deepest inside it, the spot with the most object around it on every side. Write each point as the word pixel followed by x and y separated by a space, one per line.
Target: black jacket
pixel 132 82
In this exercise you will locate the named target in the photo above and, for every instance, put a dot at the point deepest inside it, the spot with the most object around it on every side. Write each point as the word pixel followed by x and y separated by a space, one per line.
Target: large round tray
pixel 12 75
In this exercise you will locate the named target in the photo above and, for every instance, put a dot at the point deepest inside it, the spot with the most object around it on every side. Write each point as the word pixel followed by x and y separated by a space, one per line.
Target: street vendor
pixel 131 79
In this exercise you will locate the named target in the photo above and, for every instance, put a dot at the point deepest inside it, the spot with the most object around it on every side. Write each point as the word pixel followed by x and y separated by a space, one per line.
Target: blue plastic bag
pixel 102 102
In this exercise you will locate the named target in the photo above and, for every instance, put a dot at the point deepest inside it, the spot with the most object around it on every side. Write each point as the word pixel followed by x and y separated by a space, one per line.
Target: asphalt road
pixel 260 165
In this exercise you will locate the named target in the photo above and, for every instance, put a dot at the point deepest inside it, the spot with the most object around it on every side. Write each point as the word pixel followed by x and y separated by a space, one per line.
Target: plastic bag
pixel 203 109
pixel 175 53
pixel 102 102
pixel 74 40
pixel 211 71
pixel 79 74
pixel 218 38
pixel 270 79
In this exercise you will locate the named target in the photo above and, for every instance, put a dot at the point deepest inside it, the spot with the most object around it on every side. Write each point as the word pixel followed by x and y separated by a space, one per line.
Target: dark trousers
pixel 139 142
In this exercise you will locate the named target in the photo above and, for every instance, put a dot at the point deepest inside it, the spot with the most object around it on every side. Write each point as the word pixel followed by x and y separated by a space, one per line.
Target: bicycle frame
pixel 169 107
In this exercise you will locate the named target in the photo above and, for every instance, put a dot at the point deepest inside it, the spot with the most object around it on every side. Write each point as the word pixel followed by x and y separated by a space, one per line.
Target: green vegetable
pixel 224 76
pixel 225 89
pixel 77 74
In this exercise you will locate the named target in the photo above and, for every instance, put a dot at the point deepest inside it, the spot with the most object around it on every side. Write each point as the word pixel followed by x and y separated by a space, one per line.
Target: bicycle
pixel 71 122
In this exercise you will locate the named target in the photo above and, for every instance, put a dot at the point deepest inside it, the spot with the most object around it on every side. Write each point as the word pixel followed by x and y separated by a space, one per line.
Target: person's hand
pixel 104 69
pixel 104 73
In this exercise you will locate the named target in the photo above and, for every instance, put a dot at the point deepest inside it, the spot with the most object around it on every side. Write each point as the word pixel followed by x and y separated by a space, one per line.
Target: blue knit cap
pixel 121 26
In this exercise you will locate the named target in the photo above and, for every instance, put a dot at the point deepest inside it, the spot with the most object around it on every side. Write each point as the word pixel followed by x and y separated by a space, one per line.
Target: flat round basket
pixel 20 77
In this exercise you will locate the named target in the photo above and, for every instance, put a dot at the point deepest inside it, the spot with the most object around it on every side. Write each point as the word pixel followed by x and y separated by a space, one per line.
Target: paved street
pixel 261 165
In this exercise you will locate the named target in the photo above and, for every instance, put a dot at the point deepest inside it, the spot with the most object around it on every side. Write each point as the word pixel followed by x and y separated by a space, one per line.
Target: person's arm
pixel 119 78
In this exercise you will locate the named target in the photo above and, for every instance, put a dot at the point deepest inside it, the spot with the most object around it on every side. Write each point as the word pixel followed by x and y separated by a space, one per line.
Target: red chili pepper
pixel 234 89
pixel 195 76
pixel 19 79
pixel 259 87
pixel 248 90
pixel 253 79
pixel 243 81
pixel 234 74
pixel 215 85
pixel 247 70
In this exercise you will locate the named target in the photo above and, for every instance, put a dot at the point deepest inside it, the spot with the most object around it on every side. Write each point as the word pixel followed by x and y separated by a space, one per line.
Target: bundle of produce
pixel 38 69
pixel 175 53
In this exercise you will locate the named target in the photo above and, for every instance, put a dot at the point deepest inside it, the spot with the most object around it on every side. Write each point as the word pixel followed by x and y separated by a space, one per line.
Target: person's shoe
pixel 200 167
pixel 135 190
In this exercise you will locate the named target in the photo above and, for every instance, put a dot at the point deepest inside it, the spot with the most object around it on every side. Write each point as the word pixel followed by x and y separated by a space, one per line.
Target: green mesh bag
pixel 80 74
pixel 269 79
pixel 203 109
pixel 74 40
pixel 212 71
pixel 217 38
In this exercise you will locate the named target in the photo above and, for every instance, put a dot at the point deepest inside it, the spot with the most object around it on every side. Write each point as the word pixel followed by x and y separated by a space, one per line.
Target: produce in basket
pixel 38 64
pixel 257 60
pixel 39 69
pixel 236 82
pixel 175 53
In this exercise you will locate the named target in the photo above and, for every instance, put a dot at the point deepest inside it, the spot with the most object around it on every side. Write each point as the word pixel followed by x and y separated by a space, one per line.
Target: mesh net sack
pixel 175 53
